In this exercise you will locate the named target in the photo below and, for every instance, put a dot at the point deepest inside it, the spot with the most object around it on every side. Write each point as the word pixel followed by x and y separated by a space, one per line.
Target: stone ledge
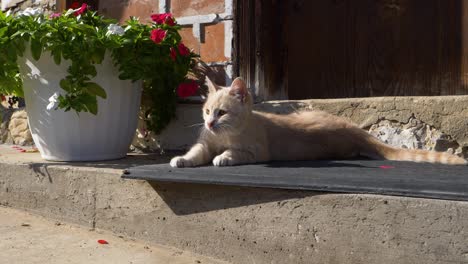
pixel 433 123
pixel 237 224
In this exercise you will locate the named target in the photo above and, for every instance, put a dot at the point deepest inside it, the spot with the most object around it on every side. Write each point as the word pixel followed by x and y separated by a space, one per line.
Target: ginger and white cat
pixel 235 134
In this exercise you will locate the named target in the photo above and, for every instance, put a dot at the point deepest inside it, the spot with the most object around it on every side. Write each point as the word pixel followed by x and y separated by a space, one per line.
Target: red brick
pixel 181 8
pixel 213 48
pixel 189 40
pixel 122 10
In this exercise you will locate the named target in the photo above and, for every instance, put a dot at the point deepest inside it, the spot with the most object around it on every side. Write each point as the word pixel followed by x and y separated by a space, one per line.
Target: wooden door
pixel 354 48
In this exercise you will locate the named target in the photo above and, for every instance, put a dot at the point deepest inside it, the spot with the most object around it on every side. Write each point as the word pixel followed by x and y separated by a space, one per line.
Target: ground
pixel 26 238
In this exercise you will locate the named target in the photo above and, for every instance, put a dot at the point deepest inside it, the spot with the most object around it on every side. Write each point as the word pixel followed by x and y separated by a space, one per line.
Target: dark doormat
pixel 355 176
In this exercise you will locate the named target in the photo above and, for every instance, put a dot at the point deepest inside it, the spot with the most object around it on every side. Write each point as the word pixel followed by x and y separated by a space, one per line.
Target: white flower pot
pixel 68 136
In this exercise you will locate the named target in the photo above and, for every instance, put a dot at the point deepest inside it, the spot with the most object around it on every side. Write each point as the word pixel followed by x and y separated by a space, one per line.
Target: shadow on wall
pixel 186 199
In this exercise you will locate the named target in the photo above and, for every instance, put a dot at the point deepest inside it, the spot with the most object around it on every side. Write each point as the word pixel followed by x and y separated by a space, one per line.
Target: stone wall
pixel 15 5
pixel 14 127
pixel 416 134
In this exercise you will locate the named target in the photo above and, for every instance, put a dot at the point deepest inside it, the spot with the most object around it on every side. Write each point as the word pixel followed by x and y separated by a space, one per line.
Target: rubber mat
pixel 355 176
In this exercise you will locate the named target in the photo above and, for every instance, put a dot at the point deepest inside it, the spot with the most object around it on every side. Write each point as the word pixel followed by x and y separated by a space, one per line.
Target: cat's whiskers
pixel 225 128
pixel 198 124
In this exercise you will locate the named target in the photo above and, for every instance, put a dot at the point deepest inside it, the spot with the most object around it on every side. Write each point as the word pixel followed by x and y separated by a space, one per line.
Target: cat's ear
pixel 239 89
pixel 212 87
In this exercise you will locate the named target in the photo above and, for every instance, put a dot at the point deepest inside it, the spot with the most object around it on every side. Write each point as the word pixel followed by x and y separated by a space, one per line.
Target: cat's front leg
pixel 234 157
pixel 199 154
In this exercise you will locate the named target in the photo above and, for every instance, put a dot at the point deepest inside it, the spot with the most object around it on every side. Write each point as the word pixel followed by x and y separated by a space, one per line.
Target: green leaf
pixel 96 89
pixel 91 105
pixel 66 85
pixel 36 48
pixel 98 55
pixel 3 30
pixel 57 56
pixel 11 52
pixel 89 70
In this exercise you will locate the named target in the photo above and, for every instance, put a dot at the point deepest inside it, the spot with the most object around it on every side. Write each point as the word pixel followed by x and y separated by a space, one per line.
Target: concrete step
pixel 31 239
pixel 237 224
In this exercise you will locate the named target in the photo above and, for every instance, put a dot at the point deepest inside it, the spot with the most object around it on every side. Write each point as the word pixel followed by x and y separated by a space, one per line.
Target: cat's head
pixel 227 108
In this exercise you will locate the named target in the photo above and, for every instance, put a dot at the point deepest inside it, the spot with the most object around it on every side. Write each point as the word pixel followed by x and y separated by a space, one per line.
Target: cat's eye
pixel 221 112
pixel 207 111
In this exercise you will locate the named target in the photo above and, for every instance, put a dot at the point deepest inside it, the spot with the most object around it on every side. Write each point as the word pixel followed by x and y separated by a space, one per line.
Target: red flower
pixel 165 18
pixel 158 35
pixel 2 98
pixel 103 242
pixel 183 50
pixel 82 9
pixel 187 89
pixel 54 15
pixel 75 5
pixel 173 54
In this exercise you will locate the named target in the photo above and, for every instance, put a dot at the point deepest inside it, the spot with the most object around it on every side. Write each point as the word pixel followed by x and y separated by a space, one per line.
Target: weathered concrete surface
pixel 27 238
pixel 240 225
pixel 416 135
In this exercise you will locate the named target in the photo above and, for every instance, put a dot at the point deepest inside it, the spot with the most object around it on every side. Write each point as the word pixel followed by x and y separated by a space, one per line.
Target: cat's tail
pixel 379 150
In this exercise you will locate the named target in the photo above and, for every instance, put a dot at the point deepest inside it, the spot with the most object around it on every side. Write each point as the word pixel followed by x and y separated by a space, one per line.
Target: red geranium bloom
pixel 173 54
pixel 187 89
pixel 158 35
pixel 183 50
pixel 75 5
pixel 170 20
pixel 165 18
pixel 82 9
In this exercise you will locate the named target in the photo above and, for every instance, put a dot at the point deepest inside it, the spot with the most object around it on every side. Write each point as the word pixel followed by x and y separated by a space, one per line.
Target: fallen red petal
pixel 102 241
pixel 386 167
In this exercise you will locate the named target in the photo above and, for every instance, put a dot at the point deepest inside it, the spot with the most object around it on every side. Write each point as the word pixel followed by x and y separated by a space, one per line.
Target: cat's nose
pixel 211 124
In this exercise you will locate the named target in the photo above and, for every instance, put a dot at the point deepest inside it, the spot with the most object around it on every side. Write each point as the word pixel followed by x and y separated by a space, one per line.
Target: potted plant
pixel 81 76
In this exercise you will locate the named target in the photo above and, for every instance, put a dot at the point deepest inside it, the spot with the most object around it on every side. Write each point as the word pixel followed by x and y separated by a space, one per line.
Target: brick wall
pixel 207 26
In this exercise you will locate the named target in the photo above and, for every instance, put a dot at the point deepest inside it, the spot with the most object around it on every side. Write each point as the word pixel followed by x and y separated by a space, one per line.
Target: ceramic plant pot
pixel 71 136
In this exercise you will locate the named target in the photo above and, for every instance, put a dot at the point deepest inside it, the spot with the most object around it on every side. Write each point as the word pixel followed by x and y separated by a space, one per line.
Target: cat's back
pixel 307 135
pixel 303 120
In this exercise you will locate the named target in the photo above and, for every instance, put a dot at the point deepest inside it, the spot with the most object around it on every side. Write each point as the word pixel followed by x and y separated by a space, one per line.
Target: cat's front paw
pixel 221 160
pixel 180 162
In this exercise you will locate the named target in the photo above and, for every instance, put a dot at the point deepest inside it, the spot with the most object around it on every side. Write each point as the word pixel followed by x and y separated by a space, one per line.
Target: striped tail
pixel 376 149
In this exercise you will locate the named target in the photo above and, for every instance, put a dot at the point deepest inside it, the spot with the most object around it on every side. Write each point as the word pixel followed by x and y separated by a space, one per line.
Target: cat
pixel 235 134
